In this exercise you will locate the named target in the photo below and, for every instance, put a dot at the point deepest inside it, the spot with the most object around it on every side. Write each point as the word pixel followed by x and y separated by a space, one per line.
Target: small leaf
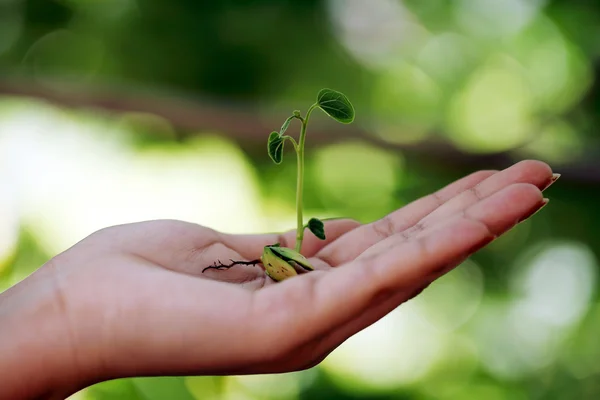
pixel 336 105
pixel 275 147
pixel 285 125
pixel 317 228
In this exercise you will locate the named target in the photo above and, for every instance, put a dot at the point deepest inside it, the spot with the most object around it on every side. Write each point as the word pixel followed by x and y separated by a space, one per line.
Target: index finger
pixel 452 198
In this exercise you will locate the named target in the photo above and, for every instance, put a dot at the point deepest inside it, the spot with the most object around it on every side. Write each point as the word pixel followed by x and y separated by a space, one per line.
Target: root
pixel 222 266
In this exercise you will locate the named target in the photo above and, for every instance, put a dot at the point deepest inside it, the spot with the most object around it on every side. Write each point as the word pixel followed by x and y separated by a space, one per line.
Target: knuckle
pixel 384 227
pixel 437 197
pixel 476 192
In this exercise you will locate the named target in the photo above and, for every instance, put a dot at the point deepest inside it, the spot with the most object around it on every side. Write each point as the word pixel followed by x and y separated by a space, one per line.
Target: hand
pixel 132 300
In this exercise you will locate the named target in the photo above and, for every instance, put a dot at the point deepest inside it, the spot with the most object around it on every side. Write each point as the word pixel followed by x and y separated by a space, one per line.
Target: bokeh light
pixel 407 101
pixel 375 33
pixel 492 19
pixel 464 285
pixel 396 351
pixel 550 294
pixel 494 111
pixel 356 171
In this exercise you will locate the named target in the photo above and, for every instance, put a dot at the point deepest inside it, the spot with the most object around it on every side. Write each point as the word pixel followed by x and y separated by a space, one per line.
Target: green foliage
pixel 336 105
pixel 316 226
pixel 286 124
pixel 275 147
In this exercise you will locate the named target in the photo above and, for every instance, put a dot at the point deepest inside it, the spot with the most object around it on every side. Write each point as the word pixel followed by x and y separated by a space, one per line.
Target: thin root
pixel 222 266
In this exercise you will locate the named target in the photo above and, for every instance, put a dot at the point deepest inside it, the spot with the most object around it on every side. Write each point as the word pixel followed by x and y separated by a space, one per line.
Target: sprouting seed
pixel 280 262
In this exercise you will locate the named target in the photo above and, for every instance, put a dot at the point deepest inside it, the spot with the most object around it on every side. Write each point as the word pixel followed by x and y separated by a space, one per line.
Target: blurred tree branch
pixel 249 126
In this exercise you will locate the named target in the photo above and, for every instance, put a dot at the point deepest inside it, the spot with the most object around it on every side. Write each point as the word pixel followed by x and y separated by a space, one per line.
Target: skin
pixel 131 300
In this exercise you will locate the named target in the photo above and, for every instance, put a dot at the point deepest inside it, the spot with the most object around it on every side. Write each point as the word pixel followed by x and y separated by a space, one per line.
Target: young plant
pixel 280 262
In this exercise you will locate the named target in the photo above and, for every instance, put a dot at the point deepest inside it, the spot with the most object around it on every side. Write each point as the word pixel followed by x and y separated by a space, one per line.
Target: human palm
pixel 137 302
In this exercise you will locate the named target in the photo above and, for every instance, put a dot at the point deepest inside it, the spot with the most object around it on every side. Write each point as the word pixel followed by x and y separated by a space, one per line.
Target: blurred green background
pixel 115 111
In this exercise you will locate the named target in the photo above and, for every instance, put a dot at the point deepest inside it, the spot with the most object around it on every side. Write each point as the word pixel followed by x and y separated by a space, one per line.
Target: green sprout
pixel 338 107
pixel 279 262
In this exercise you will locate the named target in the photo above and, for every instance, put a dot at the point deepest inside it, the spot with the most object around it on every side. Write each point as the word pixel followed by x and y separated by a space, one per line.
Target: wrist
pixel 36 351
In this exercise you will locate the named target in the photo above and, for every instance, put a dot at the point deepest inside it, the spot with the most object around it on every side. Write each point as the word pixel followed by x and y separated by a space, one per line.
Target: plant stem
pixel 300 180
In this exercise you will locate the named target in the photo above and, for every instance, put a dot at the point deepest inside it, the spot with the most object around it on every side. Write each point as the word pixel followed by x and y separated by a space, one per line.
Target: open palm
pixel 139 303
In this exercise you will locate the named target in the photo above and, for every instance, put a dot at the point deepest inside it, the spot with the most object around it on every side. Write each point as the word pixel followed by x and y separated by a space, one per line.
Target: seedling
pixel 281 262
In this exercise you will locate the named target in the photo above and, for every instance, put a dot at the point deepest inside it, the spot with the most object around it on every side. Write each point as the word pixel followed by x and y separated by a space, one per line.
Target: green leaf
pixel 275 147
pixel 317 228
pixel 285 125
pixel 336 105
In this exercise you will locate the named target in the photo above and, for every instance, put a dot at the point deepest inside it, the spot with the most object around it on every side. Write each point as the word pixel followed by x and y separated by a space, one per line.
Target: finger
pixel 498 212
pixel 355 242
pixel 251 246
pixel 535 173
pixel 504 209
pixel 357 238
pixel 468 189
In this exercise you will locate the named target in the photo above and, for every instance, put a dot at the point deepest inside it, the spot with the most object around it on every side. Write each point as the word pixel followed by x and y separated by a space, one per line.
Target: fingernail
pixel 555 177
pixel 535 210
pixel 552 180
